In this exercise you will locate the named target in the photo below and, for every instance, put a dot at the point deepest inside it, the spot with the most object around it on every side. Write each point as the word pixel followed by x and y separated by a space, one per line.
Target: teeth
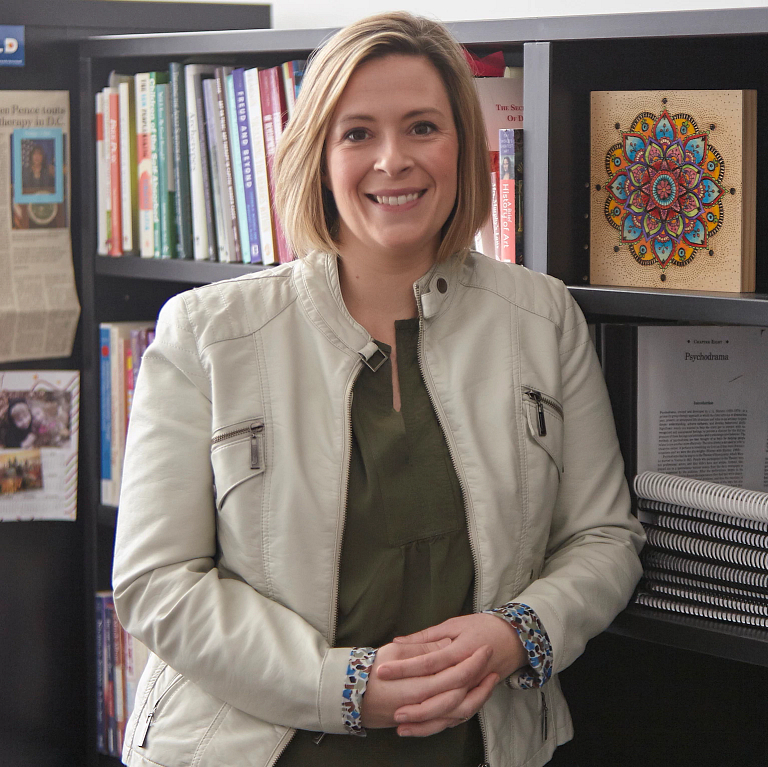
pixel 400 200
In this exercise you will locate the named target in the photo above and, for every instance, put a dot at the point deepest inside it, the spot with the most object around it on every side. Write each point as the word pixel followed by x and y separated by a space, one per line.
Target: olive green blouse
pixel 406 562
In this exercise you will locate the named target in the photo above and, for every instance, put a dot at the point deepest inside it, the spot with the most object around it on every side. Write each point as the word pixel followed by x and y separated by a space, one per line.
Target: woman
pixel 413 563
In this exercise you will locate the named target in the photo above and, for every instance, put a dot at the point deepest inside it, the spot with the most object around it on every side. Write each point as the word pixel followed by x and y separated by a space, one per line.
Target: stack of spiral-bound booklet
pixel 707 550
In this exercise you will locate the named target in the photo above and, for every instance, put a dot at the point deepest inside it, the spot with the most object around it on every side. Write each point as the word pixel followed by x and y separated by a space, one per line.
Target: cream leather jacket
pixel 234 492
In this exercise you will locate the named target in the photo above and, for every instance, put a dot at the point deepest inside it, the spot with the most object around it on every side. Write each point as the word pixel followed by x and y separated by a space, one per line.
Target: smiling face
pixel 21 415
pixel 391 158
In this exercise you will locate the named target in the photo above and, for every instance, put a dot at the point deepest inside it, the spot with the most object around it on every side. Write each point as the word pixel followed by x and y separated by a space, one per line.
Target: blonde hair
pixel 304 205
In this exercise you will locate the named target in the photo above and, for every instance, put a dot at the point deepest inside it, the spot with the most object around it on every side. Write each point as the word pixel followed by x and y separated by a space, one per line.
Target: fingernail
pixel 405 733
pixel 400 717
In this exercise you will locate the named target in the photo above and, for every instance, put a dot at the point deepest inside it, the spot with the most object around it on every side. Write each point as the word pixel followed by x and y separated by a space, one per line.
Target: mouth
pixel 396 200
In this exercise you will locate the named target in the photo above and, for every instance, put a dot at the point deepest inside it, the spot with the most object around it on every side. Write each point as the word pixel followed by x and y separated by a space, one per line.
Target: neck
pixel 379 291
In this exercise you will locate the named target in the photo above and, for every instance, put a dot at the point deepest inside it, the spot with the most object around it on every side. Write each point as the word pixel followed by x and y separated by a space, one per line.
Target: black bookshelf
pixel 563 59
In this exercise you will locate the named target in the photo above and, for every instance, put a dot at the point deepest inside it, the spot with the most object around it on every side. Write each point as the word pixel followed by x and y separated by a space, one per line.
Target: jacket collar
pixel 319 291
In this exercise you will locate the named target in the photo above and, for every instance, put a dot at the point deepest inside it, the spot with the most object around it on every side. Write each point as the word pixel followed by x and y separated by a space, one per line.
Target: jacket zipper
pixel 544 717
pixel 541 400
pixel 149 716
pixel 317 739
pixel 452 453
pixel 256 430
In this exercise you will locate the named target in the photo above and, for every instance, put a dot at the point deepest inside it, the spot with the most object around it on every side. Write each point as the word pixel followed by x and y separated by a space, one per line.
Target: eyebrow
pixel 409 116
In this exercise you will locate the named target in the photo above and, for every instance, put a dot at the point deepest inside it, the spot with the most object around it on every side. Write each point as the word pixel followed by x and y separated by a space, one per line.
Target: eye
pixel 356 135
pixel 424 128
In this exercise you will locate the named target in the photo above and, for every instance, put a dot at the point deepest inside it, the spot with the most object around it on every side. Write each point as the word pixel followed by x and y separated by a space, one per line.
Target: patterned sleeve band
pixel 536 642
pixel 360 662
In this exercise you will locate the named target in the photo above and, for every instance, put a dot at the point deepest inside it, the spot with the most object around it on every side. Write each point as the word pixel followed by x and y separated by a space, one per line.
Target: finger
pixel 431 634
pixel 475 698
pixel 424 664
pixel 424 729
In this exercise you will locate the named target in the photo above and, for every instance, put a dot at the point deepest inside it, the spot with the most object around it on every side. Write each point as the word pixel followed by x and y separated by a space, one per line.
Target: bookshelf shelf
pixel 700 307
pixel 107 515
pixel 739 643
pixel 170 270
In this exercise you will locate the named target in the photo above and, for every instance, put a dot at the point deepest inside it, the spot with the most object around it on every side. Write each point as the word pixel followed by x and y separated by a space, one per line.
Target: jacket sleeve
pixel 218 632
pixel 591 564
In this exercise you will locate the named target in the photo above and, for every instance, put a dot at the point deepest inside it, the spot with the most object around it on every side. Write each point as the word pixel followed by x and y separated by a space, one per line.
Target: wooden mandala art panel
pixel 673 189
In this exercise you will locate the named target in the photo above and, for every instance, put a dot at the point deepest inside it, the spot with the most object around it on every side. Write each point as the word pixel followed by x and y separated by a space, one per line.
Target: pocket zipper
pixel 544 717
pixel 541 400
pixel 143 729
pixel 256 430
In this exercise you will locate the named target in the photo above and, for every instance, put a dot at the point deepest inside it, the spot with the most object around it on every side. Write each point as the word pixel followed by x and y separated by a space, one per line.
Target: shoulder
pixel 228 309
pixel 526 290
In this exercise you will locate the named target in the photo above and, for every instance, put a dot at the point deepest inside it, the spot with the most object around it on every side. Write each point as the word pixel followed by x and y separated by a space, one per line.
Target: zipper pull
pixel 256 432
pixel 140 737
pixel 544 720
pixel 536 397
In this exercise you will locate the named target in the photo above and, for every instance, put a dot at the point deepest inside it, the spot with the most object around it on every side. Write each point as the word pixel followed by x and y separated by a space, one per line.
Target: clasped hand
pixel 441 676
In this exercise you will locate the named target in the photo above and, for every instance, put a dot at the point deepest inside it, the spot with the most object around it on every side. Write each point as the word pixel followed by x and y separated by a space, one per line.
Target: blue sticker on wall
pixel 11 46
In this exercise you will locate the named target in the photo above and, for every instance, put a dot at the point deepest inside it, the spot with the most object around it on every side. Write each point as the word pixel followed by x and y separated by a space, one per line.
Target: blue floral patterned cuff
pixel 360 662
pixel 536 642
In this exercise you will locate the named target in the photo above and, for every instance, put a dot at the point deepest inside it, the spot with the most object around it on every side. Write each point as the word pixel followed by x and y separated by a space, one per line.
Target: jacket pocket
pixel 237 455
pixel 544 417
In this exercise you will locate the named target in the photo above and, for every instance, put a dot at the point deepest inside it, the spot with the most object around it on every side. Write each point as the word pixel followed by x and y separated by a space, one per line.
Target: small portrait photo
pixel 506 168
pixel 38 165
pixel 20 471
pixel 35 419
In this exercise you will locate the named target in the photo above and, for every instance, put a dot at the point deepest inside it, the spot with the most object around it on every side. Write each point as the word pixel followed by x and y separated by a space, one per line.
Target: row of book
pixel 707 549
pixel 119 663
pixel 184 162
pixel 122 346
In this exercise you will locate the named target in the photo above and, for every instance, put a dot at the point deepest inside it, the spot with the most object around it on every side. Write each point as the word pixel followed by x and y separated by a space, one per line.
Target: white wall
pixel 292 14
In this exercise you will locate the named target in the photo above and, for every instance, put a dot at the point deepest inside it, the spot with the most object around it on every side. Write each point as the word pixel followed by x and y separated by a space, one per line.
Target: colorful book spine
pixel 101 675
pixel 225 156
pixel 203 225
pixel 106 414
pixel 155 78
pixel 518 195
pixel 128 189
pixel 116 238
pixel 166 183
pixel 102 233
pixel 213 129
pixel 260 174
pixel 507 194
pixel 237 167
pixel 181 161
pixel 144 170
pixel 109 694
pixel 247 164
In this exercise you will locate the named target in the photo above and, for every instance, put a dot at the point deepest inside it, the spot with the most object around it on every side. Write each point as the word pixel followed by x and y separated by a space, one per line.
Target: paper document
pixel 38 301
pixel 702 409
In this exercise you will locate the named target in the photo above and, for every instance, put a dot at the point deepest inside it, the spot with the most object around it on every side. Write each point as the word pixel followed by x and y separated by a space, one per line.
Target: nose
pixel 393 157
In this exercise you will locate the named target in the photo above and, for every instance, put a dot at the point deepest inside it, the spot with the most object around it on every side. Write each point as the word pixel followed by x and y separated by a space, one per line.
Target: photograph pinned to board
pixel 39 419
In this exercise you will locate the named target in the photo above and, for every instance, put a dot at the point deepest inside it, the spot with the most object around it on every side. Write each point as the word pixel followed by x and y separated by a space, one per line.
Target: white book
pixel 106 161
pixel 256 132
pixel 128 178
pixel 102 189
pixel 203 248
pixel 144 167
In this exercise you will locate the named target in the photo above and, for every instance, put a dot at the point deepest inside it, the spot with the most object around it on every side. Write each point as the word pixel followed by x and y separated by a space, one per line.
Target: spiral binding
pixel 698 493
pixel 706 597
pixel 719 532
pixel 710 516
pixel 702 611
pixel 720 572
pixel 651 574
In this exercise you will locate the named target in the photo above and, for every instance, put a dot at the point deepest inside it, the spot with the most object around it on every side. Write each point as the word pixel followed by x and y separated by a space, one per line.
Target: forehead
pixel 411 80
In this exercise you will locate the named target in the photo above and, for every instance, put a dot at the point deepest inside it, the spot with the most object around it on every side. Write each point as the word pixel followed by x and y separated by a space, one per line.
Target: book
pixel 260 173
pixel 248 169
pixel 519 166
pixel 224 241
pixel 226 165
pixel 507 195
pixel 673 189
pixel 144 167
pixel 128 178
pixel 181 161
pixel 166 183
pixel 233 128
pixel 112 112
pixel 101 673
pixel 501 101
pixel 203 225
pixel 701 408
pixel 102 187
pixel 155 79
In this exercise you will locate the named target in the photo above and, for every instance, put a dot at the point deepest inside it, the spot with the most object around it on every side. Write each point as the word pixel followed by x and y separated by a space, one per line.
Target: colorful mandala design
pixel 664 189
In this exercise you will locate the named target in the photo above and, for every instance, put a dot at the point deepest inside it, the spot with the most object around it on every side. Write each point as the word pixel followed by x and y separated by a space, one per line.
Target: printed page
pixel 39 417
pixel 39 308
pixel 702 411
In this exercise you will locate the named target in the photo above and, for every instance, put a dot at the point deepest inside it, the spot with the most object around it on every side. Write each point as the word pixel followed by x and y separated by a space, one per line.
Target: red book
pixel 507 194
pixel 116 241
pixel 274 117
